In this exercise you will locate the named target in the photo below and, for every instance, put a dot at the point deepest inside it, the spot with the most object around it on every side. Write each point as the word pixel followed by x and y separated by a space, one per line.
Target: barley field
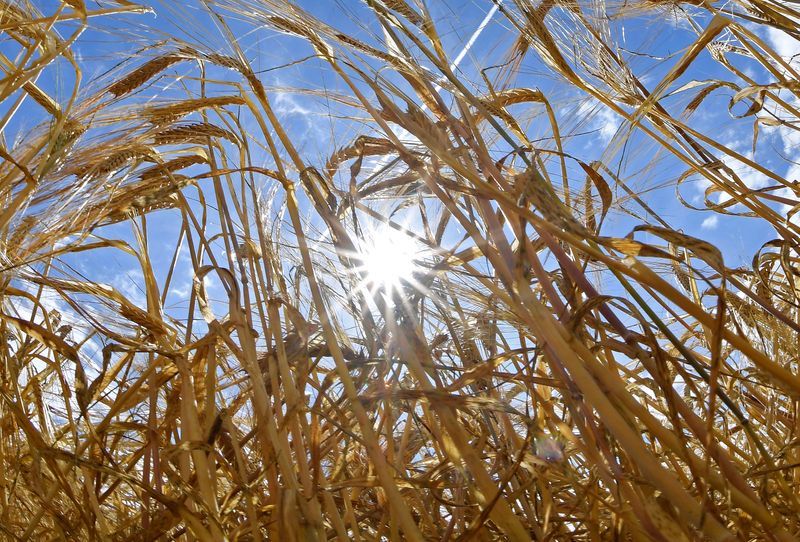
pixel 399 270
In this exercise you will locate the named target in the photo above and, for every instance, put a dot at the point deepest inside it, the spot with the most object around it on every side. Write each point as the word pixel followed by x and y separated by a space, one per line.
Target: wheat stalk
pixel 197 343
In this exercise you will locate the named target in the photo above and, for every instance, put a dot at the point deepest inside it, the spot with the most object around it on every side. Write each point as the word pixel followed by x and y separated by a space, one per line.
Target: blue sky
pixel 590 130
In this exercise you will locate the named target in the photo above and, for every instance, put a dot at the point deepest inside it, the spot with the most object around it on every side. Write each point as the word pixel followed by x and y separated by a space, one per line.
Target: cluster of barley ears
pixel 564 363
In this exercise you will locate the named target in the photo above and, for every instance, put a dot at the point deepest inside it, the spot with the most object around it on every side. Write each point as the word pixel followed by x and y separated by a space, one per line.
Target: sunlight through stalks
pixel 387 270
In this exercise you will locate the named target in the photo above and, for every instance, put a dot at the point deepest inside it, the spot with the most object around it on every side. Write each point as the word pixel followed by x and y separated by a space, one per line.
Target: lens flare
pixel 388 259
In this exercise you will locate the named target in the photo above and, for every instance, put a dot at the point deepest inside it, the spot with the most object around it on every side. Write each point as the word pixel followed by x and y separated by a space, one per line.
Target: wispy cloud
pixel 287 104
pixel 710 223
pixel 793 174
pixel 130 283
pixel 788 48
pixel 605 121
pixel 784 44
pixel 750 177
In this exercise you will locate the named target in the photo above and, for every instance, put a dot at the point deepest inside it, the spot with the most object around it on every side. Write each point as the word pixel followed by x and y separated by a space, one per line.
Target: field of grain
pixel 399 270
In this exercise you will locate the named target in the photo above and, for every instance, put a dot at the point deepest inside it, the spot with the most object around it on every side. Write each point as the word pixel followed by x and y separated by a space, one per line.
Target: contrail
pixel 402 133
pixel 474 36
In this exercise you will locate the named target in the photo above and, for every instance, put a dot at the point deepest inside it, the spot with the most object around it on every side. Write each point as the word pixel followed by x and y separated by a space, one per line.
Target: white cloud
pixel 609 123
pixel 181 292
pixel 130 283
pixel 793 174
pixel 603 119
pixel 710 223
pixel 752 178
pixel 303 112
pixel 287 104
pixel 789 49
pixel 785 45
pixel 701 184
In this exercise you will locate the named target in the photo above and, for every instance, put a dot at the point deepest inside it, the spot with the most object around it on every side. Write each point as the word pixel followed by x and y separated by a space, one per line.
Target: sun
pixel 388 259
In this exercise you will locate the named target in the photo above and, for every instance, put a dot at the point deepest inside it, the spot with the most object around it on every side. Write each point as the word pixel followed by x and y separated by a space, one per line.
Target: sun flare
pixel 389 259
